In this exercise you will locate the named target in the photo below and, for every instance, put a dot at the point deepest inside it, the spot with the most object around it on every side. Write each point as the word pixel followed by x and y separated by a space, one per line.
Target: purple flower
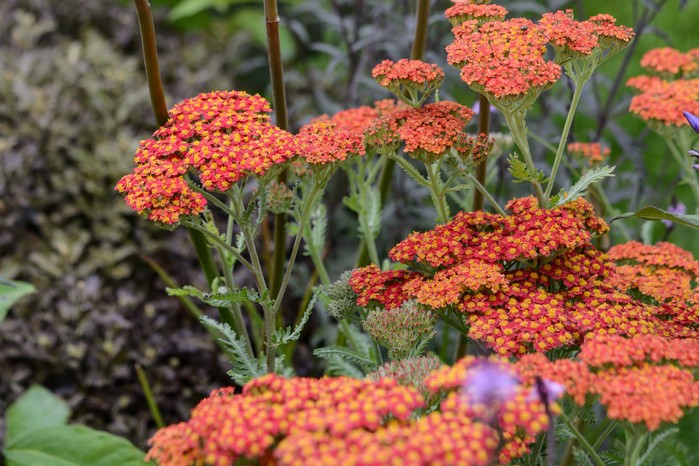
pixel 477 108
pixel 676 208
pixel 693 120
pixel 547 391
pixel 489 383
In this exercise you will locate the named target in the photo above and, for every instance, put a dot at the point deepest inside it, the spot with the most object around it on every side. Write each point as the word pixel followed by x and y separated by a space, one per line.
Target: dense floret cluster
pixel 298 421
pixel 221 136
pixel 645 379
pixel 670 88
pixel 533 282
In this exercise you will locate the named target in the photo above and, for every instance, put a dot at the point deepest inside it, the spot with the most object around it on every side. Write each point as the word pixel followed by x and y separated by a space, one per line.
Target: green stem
pixel 417 53
pixel 579 85
pixel 518 128
pixel 411 170
pixel 216 239
pixel 150 399
pixel 271 313
pixel 583 441
pixel 634 446
pixel 480 188
pixel 438 197
pixel 276 72
pixel 317 261
pixel 234 311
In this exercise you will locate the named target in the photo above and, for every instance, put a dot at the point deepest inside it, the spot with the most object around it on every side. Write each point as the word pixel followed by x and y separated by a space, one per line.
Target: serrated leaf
pixel 519 171
pixel 37 408
pixel 10 293
pixel 222 298
pixel 282 337
pixel 72 446
pixel 654 213
pixel 338 367
pixel 245 367
pixel 579 189
pixel 346 354
pixel 653 450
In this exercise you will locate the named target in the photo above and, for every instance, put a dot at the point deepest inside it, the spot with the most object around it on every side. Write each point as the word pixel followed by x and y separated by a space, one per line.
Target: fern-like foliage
pixel 519 171
pixel 357 359
pixel 245 367
pixel 580 187
pixel 222 297
pixel 282 337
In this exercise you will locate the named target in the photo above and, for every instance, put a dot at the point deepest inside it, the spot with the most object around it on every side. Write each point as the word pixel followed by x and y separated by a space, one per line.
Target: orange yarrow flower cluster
pixel 412 81
pixel 665 276
pixel 222 136
pixel 527 282
pixel 298 421
pixel 645 379
pixel 592 152
pixel 323 142
pixel 461 12
pixel 503 58
pixel 671 88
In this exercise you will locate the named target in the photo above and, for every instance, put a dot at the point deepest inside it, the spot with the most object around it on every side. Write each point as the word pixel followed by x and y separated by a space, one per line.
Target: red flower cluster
pixel 672 87
pixel 644 379
pixel 393 75
pixel 592 152
pixel 461 12
pixel 278 421
pixel 224 136
pixel 506 59
pixel 665 276
pixel 503 58
pixel 532 281
pixel 323 142
pixel 671 63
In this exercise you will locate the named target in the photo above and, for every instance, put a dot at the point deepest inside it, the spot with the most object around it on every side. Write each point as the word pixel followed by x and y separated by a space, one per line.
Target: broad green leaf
pixel 72 445
pixel 10 293
pixel 654 213
pixel 36 409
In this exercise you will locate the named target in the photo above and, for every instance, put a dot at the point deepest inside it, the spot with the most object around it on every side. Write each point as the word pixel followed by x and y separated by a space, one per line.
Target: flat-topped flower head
pixel 611 37
pixel 504 59
pixel 670 63
pixel 412 81
pixel 430 131
pixel 569 38
pixel 220 136
pixel 591 152
pixel 662 103
pixel 482 13
pixel 324 142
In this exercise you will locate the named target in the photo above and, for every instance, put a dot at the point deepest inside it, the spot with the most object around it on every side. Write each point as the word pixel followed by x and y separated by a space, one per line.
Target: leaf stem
pixel 150 399
pixel 583 441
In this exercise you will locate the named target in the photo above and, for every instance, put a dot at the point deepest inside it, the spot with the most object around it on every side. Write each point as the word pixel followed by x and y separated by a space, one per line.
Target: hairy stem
pixel 518 128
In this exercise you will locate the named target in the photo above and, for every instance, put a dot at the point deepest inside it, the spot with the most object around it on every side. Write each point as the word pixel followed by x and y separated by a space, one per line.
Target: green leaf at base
pixel 654 213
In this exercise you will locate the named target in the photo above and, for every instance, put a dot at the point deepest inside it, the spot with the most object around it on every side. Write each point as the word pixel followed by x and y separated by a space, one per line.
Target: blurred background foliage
pixel 73 105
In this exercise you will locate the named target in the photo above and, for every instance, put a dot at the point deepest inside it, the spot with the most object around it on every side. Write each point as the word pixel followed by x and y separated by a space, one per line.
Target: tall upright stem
pixel 478 199
pixel 483 128
pixel 518 128
pixel 276 72
pixel 579 85
pixel 157 99
pixel 417 52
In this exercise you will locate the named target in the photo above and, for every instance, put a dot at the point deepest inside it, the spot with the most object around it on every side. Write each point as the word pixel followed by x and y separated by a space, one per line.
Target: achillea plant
pixel 645 379
pixel 301 421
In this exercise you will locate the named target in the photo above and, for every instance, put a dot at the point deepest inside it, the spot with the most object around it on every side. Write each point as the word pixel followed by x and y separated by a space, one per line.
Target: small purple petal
pixel 695 166
pixel 678 209
pixel 489 383
pixel 693 120
pixel 693 153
